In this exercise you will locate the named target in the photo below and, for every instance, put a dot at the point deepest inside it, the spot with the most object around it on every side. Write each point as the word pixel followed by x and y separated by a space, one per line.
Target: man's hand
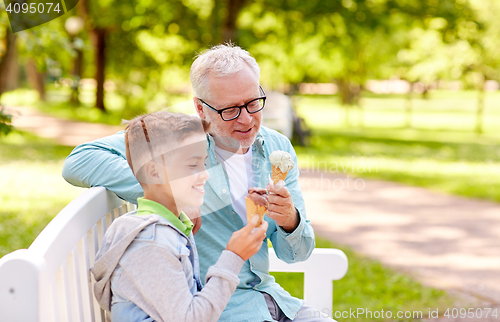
pixel 194 213
pixel 281 207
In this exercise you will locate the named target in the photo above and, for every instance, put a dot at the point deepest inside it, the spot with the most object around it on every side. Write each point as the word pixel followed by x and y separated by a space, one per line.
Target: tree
pixel 142 44
pixel 464 51
pixel 346 42
pixel 5 122
pixel 8 52
pixel 229 29
pixel 45 50
pixel 483 36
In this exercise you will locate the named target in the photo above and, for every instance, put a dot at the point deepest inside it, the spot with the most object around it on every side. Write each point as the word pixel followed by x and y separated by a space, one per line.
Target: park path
pixel 444 241
pixel 71 133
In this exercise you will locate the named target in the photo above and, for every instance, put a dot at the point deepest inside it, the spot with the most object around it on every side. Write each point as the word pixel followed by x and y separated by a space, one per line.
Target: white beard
pixel 227 142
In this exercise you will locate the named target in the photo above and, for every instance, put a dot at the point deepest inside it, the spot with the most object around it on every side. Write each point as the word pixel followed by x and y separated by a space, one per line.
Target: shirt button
pixel 224 190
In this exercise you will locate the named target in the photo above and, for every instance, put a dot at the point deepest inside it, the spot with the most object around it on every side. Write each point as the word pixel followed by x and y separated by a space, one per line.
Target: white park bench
pixel 51 281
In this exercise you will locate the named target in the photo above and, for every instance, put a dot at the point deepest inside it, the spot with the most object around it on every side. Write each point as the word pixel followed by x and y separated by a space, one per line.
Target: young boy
pixel 147 267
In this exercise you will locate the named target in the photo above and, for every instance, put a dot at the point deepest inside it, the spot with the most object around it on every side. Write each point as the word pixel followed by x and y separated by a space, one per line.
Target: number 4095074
pixel 32 8
pixel 471 313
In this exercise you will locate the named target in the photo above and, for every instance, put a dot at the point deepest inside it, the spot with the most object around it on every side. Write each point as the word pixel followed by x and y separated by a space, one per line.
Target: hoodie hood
pixel 118 237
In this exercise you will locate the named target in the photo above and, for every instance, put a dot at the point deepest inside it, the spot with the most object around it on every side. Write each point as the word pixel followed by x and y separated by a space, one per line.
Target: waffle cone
pixel 253 209
pixel 277 175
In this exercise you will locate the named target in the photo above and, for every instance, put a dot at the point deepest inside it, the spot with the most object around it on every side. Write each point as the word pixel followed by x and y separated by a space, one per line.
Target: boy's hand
pixel 194 214
pixel 248 240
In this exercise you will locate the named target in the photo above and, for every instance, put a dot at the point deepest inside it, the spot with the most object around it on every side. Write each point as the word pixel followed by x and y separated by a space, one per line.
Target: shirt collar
pixel 259 143
pixel 149 207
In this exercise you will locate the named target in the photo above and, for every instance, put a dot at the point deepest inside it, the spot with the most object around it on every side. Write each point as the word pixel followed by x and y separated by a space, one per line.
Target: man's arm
pixel 297 245
pixel 103 163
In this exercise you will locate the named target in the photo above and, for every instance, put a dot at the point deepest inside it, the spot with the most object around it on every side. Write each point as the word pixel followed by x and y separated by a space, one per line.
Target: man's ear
pixel 199 108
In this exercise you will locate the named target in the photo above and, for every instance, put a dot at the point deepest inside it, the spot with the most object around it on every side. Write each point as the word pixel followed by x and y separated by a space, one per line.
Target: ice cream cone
pixel 253 209
pixel 277 175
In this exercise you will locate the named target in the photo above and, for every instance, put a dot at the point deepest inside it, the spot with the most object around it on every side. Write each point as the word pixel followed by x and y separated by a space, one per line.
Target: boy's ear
pixel 199 108
pixel 154 173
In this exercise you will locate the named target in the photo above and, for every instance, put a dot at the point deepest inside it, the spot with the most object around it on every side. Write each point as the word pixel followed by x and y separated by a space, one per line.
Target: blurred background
pixel 409 85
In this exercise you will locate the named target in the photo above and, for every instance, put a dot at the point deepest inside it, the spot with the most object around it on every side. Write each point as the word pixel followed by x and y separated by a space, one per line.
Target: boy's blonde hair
pixel 149 136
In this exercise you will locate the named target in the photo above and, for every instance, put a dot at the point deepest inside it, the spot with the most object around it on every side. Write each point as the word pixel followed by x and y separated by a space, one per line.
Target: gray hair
pixel 222 60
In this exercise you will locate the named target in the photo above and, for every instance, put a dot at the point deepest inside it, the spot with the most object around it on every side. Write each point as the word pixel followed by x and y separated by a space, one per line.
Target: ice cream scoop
pixel 281 163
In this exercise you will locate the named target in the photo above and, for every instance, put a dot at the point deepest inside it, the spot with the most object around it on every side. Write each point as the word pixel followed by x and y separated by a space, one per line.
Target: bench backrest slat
pixel 84 279
pixel 53 312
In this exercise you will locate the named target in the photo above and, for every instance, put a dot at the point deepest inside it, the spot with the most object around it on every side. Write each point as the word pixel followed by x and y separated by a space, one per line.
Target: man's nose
pixel 244 117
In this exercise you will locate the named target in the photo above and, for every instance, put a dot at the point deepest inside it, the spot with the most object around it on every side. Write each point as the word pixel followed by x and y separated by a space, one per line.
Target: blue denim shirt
pixel 103 163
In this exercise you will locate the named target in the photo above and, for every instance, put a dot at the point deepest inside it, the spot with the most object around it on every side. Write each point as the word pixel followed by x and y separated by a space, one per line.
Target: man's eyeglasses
pixel 231 113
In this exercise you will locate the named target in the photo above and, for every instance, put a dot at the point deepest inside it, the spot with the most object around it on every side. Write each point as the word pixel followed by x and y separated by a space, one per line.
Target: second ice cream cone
pixel 253 209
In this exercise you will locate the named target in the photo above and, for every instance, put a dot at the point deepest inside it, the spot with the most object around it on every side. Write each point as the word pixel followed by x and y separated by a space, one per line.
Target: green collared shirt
pixel 149 207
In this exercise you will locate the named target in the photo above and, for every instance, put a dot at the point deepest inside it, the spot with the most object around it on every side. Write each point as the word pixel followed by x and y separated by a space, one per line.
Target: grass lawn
pixel 442 154
pixel 32 189
pixel 443 111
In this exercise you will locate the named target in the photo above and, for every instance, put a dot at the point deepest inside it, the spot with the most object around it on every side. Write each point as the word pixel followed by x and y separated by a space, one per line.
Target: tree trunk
pixel 480 110
pixel 409 106
pixel 76 76
pixel 99 38
pixel 361 115
pixel 229 30
pixel 36 78
pixel 349 92
pixel 8 63
pixel 425 93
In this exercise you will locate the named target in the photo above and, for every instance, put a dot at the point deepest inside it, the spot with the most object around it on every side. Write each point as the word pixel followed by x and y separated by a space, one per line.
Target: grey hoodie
pixel 154 265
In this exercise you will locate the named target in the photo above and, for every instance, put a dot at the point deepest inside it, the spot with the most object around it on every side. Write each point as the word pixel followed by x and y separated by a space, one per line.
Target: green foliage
pixel 49 46
pixel 459 51
pixel 483 36
pixel 5 121
pixel 348 41
pixel 4 20
pixel 151 44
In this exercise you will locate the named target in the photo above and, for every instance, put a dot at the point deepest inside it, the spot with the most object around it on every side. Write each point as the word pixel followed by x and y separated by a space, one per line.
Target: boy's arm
pixel 103 163
pixel 156 283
